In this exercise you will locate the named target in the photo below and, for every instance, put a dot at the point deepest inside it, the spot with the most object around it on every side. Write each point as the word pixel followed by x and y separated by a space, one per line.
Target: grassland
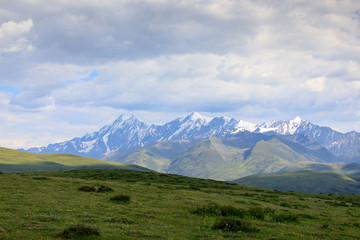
pixel 19 161
pixel 44 205
pixel 304 181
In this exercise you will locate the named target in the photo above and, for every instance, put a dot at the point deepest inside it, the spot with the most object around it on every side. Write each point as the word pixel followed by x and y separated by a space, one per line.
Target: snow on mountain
pixel 282 127
pixel 244 126
pixel 128 132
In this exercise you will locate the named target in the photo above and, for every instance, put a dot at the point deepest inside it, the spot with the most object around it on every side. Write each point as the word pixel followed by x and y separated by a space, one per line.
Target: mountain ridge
pixel 128 132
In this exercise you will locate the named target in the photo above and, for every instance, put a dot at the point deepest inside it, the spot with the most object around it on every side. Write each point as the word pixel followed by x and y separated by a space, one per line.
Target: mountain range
pixel 219 148
pixel 128 132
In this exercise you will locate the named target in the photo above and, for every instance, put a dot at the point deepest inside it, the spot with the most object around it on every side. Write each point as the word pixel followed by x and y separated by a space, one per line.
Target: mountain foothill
pixel 219 148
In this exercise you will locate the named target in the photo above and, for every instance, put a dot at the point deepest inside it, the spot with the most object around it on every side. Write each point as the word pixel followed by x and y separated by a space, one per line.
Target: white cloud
pixel 315 84
pixel 12 36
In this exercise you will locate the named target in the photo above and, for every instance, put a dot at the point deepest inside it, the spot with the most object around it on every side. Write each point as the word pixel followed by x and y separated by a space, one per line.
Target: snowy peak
pixel 296 120
pixel 195 117
pixel 245 126
pixel 283 127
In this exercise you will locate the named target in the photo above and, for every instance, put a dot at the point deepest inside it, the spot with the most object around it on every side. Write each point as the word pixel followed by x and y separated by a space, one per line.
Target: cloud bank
pixel 68 67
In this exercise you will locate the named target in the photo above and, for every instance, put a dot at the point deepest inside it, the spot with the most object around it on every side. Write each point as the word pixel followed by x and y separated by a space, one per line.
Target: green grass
pixel 305 181
pixel 46 205
pixel 19 161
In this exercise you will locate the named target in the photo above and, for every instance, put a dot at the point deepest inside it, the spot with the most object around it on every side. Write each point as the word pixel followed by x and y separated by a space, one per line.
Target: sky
pixel 70 67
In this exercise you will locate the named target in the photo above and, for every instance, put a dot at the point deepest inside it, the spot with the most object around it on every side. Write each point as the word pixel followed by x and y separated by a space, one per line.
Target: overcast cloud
pixel 69 67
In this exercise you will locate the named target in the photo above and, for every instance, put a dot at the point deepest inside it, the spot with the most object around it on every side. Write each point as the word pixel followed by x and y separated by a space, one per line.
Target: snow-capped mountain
pixel 128 132
pixel 343 145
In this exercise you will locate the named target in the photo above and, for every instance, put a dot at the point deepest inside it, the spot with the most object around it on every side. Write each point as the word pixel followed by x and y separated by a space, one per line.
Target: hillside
pixel 304 181
pixel 19 161
pixel 232 157
pixel 49 205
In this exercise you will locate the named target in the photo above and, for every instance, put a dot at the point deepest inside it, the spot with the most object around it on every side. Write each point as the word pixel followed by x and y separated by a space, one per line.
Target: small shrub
pixel 339 204
pixel 285 217
pixel 325 225
pixel 192 187
pixel 77 231
pixel 87 189
pixel 285 204
pixel 102 189
pixel 306 216
pixel 120 198
pixel 233 225
pixel 40 178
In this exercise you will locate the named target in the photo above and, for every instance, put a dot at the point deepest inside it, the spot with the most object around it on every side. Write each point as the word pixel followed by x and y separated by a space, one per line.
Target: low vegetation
pixel 120 198
pixel 78 231
pixel 50 205
pixel 305 181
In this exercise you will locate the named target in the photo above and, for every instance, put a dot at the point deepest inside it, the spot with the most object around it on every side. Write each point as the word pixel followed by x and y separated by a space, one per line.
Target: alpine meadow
pixel 180 119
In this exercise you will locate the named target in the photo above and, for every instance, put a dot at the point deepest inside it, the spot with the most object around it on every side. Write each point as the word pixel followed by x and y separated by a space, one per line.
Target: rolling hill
pixel 19 161
pixel 232 157
pixel 304 181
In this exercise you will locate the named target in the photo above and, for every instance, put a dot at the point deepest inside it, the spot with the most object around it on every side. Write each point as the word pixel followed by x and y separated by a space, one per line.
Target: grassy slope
pixel 162 206
pixel 19 161
pixel 231 158
pixel 157 156
pixel 304 181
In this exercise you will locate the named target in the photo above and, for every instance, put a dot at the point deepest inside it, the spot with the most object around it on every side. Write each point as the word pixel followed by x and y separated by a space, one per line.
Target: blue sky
pixel 70 67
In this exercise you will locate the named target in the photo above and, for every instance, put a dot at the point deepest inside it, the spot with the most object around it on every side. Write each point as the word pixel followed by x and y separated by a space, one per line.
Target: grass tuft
pixel 86 189
pixel 121 198
pixel 260 212
pixel 227 211
pixel 103 188
pixel 233 225
pixel 77 231
pixel 285 217
pixel 207 210
pixel 40 178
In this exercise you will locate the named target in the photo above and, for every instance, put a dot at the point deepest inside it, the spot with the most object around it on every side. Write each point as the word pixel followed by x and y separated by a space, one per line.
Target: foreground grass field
pixel 122 204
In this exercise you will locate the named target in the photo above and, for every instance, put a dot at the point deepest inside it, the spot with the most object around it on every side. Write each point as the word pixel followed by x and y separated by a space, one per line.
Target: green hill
pixel 19 161
pixel 304 181
pixel 146 205
pixel 233 157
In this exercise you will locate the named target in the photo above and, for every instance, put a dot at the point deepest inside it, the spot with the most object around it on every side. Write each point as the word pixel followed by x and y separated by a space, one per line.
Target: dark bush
pixel 77 231
pixel 285 204
pixel 192 187
pixel 285 217
pixel 120 198
pixel 40 178
pixel 233 225
pixel 102 189
pixel 87 189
